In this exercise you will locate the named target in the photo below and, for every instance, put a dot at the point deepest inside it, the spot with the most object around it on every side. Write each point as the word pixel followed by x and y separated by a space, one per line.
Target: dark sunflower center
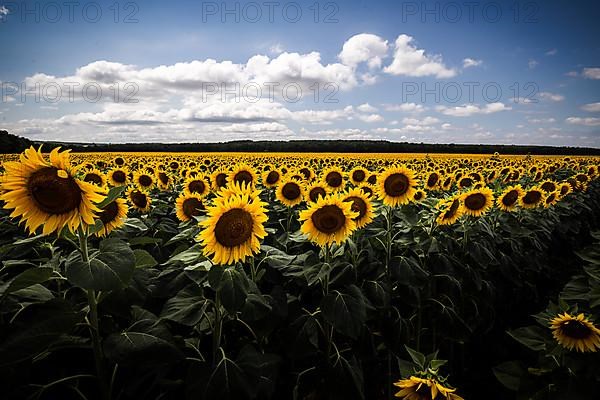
pixel 334 179
pixel 432 180
pixel 550 198
pixel 196 186
pixel 372 179
pixel 358 205
pixel 221 180
pixel 564 190
pixel 93 178
pixel 192 207
pixel 243 177
pixel 234 227
pixel 174 165
pixel 119 177
pixel 109 213
pixel 163 178
pixel 396 185
pixel 315 193
pixel 272 177
pixel 575 329
pixel 119 161
pixel 291 191
pixel 466 182
pixel 306 172
pixel 510 198
pixel 418 196
pixel 328 219
pixel 549 186
pixel 532 197
pixel 358 175
pixel 145 180
pixel 139 199
pixel 452 210
pixel 367 190
pixel 475 201
pixel 52 193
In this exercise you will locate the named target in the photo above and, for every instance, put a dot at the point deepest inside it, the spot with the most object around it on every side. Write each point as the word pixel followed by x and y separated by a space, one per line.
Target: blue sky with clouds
pixel 525 72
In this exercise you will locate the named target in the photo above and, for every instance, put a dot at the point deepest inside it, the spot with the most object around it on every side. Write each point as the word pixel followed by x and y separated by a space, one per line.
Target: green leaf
pixel 26 278
pixel 509 374
pixel 139 348
pixel 233 289
pixel 187 307
pixel 109 268
pixel 346 311
pixel 418 358
pixel 143 259
pixel 113 194
pixel 531 336
pixel 228 381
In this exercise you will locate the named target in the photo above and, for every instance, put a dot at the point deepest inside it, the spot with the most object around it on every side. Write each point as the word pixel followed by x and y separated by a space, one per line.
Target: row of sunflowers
pixel 269 275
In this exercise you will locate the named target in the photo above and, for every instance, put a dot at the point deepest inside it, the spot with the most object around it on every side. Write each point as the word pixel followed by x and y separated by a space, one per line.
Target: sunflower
pixel 477 202
pixel 328 220
pixel 140 200
pixel 118 176
pixel 196 185
pixel 451 211
pixel 289 192
pixel 46 193
pixel 396 185
pixel 315 191
pixel 188 205
pixel 419 195
pixel 120 161
pixel 95 177
pixel 243 174
pixel 271 178
pixel 334 178
pixel 551 199
pixel 219 179
pixel 532 198
pixel 564 189
pixel 367 189
pixel 358 175
pixel 361 205
pixel 433 181
pixel 143 180
pixel 233 229
pixel 113 216
pixel 416 388
pixel 548 186
pixel 577 333
pixel 237 188
pixel 509 199
pixel 164 180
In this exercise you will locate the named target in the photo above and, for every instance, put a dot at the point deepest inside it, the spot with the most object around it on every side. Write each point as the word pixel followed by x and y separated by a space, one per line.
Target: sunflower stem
pixel 217 328
pixel 388 281
pixel 93 316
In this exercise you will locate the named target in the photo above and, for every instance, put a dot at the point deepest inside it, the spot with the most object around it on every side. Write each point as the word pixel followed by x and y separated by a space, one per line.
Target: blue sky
pixel 523 72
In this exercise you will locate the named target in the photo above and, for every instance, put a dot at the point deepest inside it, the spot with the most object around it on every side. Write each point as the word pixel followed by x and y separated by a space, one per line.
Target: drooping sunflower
pixel 47 193
pixel 575 332
pixel 289 192
pixel 140 200
pixel 361 205
pixel 233 229
pixel 188 205
pixel 143 180
pixel 333 177
pixel 113 216
pixel 329 220
pixel 509 198
pixel 315 191
pixel 94 177
pixel 532 198
pixel 450 209
pixel 396 185
pixel 417 388
pixel 243 174
pixel 196 185
pixel 118 176
pixel 477 202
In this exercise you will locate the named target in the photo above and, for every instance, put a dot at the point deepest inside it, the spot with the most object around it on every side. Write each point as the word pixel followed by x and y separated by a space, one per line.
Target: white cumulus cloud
pixel 411 61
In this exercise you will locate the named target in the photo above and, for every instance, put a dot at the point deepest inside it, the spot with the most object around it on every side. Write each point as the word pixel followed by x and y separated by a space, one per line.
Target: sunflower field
pixel 299 276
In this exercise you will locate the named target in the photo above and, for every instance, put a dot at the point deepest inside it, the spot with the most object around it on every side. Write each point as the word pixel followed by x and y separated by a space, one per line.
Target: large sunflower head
pixel 140 200
pixel 188 205
pixel 424 388
pixel 361 205
pixel 396 185
pixel 333 177
pixel 143 180
pixel 271 178
pixel 532 198
pixel 233 229
pixel 289 192
pixel 196 185
pixel 477 202
pixel 329 220
pixel 47 193
pixel 243 174
pixel 575 332
pixel 509 198
pixel 118 176
pixel 94 177
pixel 112 216
pixel 358 175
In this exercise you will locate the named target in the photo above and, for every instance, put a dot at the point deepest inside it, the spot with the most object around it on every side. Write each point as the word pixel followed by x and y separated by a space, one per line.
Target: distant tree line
pixel 15 144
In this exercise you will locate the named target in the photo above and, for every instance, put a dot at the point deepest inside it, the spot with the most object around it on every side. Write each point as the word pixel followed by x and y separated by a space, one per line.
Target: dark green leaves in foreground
pixel 345 310
pixel 109 268
pixel 232 284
